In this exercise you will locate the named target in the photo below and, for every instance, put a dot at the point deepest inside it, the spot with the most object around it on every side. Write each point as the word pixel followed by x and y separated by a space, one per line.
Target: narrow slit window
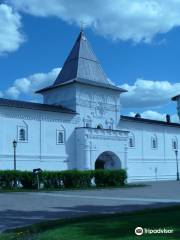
pixel 175 143
pixel 154 142
pixel 131 141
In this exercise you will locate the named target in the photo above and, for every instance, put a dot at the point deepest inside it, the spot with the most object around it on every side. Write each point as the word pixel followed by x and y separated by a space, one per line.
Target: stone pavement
pixel 23 208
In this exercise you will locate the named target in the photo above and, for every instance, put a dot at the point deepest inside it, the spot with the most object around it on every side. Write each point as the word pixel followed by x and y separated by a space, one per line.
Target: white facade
pixel 148 161
pixel 93 136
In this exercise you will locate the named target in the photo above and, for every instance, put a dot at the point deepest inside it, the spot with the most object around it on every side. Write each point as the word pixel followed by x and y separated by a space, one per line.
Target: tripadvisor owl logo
pixel 139 231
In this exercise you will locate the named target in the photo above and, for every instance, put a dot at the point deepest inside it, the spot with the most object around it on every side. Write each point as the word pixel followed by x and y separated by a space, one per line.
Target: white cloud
pixel 148 93
pixel 12 92
pixel 156 116
pixel 26 87
pixel 10 25
pixel 143 93
pixel 137 20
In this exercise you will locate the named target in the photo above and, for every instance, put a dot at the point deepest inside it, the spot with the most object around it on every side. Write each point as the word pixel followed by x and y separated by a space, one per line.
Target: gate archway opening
pixel 108 160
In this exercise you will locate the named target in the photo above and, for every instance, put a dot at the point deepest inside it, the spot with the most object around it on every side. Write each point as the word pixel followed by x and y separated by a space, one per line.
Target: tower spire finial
pixel 82 26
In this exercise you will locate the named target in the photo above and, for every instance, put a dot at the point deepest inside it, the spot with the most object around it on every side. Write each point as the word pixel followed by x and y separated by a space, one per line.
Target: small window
pixel 110 123
pixel 87 122
pixel 60 137
pixel 154 142
pixel 22 134
pixel 175 143
pixel 88 125
pixel 131 140
pixel 131 143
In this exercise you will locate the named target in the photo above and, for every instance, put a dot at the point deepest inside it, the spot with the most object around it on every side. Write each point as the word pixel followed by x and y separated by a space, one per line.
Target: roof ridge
pixel 148 120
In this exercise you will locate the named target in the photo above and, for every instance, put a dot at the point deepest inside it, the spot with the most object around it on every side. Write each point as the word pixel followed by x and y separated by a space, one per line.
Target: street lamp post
pixel 14 146
pixel 177 164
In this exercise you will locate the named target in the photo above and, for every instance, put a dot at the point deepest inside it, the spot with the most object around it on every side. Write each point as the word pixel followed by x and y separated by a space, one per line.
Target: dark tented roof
pixel 82 63
pixel 82 66
pixel 34 106
pixel 176 97
pixel 150 121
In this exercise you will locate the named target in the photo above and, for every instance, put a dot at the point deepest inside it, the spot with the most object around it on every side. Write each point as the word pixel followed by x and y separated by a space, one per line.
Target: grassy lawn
pixel 104 227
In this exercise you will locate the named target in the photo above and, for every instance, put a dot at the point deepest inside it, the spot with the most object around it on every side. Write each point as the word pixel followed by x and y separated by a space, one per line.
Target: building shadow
pixel 110 227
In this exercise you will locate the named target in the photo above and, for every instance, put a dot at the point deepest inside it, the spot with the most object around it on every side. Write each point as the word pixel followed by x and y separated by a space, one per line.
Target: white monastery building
pixel 79 126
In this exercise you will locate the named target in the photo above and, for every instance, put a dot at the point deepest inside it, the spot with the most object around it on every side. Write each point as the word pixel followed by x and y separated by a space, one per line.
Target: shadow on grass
pixel 103 226
pixel 123 226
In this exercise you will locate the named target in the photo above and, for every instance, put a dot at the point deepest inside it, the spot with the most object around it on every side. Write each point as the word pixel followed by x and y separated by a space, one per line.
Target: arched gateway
pixel 108 160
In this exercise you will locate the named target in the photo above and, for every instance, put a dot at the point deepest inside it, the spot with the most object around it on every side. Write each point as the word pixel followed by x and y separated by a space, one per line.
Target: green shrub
pixel 51 179
pixel 62 179
pixel 76 179
pixel 8 178
pixel 110 178
pixel 27 180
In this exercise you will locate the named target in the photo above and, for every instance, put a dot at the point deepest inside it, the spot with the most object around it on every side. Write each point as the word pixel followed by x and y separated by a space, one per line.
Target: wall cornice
pixel 37 117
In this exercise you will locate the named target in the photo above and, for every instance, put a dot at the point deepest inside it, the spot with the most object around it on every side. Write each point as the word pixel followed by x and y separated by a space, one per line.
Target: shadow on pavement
pixel 13 219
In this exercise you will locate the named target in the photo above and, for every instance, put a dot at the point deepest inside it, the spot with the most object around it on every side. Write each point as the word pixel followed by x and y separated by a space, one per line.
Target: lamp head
pixel 176 152
pixel 14 143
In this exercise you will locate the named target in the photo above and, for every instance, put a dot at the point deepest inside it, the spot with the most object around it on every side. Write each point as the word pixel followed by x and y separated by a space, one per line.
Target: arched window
pixel 60 137
pixel 131 140
pixel 22 134
pixel 175 143
pixel 154 142
pixel 87 122
pixel 110 123
pixel 110 126
pixel 87 125
pixel 99 126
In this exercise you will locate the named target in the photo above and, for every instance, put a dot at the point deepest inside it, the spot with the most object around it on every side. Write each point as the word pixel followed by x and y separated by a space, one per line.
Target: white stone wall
pixel 101 105
pixel 64 95
pixel 146 163
pixel 41 148
pixel 95 106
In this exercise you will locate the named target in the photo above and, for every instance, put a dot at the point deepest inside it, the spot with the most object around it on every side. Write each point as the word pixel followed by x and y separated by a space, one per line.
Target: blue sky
pixel 143 59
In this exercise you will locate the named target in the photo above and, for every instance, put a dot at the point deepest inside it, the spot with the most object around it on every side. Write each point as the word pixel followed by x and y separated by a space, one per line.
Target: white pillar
pixel 126 157
pixel 87 155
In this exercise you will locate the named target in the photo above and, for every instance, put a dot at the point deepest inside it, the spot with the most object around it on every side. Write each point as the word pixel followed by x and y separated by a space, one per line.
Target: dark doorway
pixel 107 160
pixel 99 164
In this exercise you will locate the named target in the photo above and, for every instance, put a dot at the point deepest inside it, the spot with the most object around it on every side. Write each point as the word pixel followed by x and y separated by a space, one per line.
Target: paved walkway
pixel 19 209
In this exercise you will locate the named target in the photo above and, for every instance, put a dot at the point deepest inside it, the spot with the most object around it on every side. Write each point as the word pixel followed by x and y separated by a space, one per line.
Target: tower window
pixel 88 125
pixel 87 122
pixel 154 142
pixel 110 123
pixel 131 140
pixel 99 126
pixel 175 143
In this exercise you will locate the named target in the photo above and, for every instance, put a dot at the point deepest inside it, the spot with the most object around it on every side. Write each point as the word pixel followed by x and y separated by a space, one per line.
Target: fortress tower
pixel 177 99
